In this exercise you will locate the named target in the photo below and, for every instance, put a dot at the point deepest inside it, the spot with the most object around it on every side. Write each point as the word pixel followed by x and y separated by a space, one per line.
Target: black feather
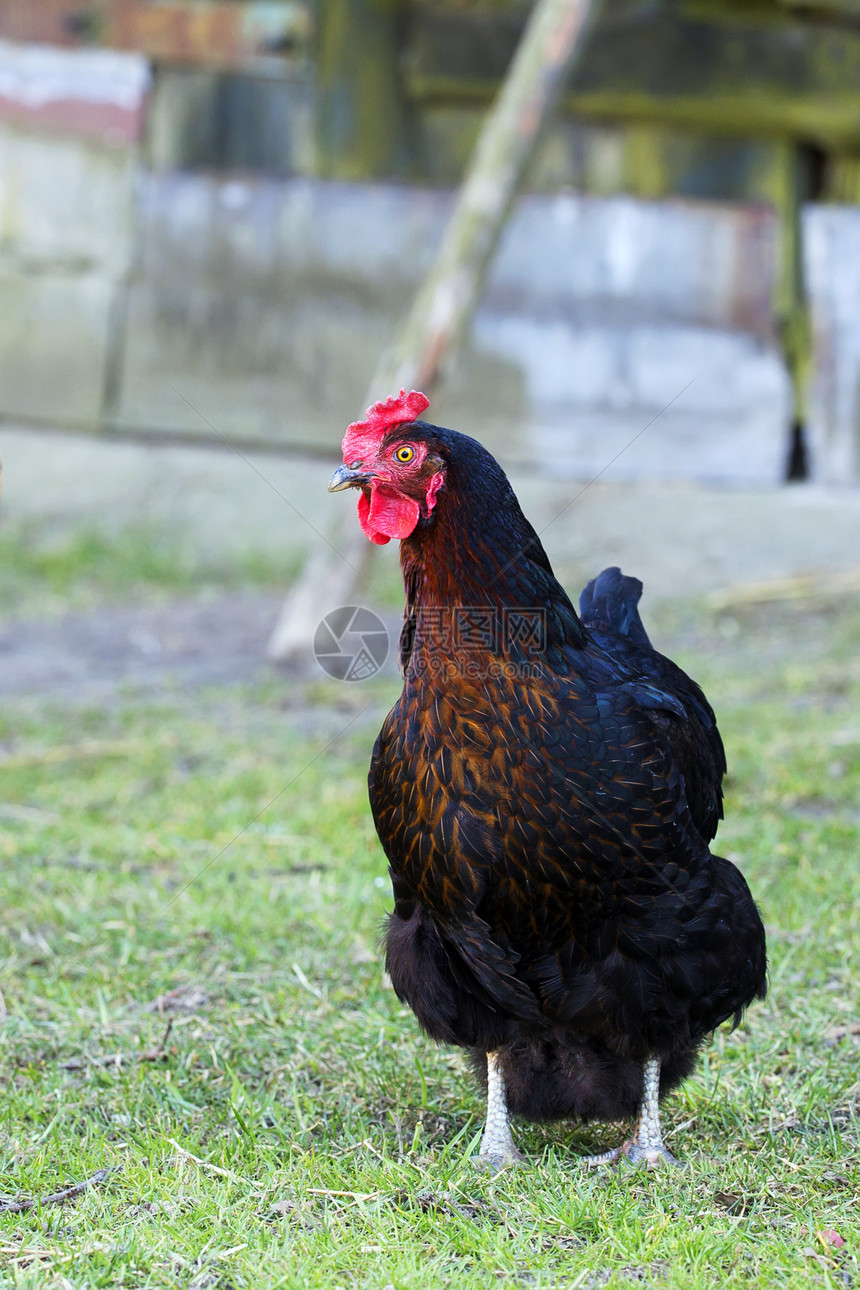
pixel 610 603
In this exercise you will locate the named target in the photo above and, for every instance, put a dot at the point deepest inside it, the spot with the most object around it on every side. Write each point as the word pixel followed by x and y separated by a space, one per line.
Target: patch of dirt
pixel 189 642
pixel 181 643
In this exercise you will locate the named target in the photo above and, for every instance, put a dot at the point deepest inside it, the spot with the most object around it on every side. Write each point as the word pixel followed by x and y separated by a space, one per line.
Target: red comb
pixel 362 437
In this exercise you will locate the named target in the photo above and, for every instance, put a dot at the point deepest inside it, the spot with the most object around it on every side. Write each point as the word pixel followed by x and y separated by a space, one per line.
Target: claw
pixel 646 1145
pixel 652 1157
pixel 604 1158
pixel 494 1162
pixel 632 1153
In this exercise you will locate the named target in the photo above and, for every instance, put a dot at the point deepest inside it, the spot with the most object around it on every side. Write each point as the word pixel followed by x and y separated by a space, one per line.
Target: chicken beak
pixel 344 477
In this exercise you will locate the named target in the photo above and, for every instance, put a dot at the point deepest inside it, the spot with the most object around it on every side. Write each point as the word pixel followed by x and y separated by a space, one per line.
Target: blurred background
pixel 215 214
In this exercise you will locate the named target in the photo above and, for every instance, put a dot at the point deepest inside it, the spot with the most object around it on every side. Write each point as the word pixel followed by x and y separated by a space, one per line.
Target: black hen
pixel 545 790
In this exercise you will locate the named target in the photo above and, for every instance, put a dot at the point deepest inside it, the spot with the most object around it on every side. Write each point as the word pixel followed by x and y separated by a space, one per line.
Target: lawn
pixel 194 1013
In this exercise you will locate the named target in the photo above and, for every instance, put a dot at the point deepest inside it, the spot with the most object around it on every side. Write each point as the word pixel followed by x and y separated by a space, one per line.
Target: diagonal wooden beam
pixel 444 306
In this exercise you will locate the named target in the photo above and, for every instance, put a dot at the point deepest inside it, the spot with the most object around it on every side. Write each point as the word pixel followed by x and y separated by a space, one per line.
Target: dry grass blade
pixel 807 586
pixel 214 1169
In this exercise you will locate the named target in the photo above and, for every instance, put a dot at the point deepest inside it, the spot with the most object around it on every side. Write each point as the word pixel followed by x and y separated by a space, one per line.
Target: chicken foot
pixel 646 1144
pixel 497 1144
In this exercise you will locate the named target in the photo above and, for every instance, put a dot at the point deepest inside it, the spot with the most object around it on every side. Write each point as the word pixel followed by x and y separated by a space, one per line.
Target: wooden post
pixel 445 303
pixel 362 127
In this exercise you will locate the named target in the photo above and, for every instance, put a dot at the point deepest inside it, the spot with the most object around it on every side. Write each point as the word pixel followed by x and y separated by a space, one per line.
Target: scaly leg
pixel 497 1145
pixel 646 1145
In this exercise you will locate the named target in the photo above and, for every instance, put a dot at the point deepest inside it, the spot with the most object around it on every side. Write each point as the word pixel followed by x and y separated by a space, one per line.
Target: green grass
pixel 293 1128
pixel 45 571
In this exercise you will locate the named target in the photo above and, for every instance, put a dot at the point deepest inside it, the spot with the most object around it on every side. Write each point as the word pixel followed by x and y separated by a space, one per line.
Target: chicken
pixel 545 790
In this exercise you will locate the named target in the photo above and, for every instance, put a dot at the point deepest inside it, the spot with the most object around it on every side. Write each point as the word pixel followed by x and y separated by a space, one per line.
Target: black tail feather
pixel 609 603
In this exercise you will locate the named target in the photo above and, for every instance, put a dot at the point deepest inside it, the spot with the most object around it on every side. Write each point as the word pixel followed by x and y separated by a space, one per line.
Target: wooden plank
pixel 362 127
pixel 219 34
pixel 741 75
pixel 773 10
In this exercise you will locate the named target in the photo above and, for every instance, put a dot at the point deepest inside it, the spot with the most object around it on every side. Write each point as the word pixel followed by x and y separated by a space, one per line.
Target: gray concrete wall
pixel 67 170
pixel 259 308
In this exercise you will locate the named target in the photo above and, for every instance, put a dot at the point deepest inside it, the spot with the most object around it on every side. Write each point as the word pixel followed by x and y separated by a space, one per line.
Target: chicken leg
pixel 646 1144
pixel 497 1145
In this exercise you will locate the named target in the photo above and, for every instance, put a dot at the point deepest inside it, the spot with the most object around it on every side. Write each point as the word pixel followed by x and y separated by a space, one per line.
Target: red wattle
pixel 387 514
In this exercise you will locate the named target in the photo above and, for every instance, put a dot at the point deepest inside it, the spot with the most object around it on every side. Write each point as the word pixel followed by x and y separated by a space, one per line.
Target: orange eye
pixel 404 453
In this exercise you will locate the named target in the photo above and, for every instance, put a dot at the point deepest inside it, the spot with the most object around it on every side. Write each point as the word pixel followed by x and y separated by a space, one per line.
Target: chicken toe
pixel 646 1145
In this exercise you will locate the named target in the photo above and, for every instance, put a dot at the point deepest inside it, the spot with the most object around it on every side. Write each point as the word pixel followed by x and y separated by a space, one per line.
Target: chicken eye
pixel 405 453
